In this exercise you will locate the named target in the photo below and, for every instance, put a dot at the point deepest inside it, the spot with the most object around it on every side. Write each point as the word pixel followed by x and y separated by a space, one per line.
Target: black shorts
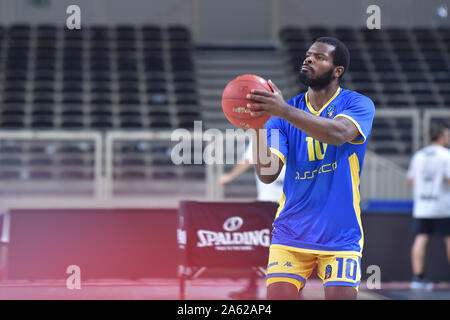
pixel 439 227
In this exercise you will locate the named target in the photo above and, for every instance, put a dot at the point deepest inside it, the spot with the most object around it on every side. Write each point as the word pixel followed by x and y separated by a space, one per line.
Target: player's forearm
pixel 266 164
pixel 324 130
pixel 238 169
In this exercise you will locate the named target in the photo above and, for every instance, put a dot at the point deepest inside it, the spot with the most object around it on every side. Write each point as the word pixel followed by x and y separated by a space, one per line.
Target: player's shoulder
pixel 297 100
pixel 439 151
pixel 445 152
pixel 419 153
pixel 351 96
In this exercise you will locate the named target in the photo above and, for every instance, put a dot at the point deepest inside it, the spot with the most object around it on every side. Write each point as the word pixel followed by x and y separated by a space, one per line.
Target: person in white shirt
pixel 429 173
pixel 265 192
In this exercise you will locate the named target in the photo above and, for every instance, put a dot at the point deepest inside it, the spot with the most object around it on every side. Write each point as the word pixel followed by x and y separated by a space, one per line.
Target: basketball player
pixel 429 173
pixel 322 138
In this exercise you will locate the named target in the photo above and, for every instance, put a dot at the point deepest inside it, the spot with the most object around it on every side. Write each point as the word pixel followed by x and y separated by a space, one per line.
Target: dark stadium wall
pixel 212 20
pixel 111 12
pixel 133 244
pixel 387 244
pixel 402 13
pixel 103 243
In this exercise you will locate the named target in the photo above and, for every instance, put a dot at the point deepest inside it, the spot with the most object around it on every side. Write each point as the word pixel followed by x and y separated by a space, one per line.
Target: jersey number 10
pixel 316 149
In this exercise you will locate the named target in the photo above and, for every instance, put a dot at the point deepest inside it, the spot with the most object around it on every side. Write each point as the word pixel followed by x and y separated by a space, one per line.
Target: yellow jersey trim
pixel 357 126
pixel 310 107
pixel 312 251
pixel 279 154
pixel 354 170
pixel 281 202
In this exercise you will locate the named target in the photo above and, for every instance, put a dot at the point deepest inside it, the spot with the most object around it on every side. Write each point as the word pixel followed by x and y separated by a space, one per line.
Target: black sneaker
pixel 421 284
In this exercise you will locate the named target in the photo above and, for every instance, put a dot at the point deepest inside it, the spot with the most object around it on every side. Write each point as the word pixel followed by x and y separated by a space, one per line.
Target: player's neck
pixel 437 143
pixel 319 96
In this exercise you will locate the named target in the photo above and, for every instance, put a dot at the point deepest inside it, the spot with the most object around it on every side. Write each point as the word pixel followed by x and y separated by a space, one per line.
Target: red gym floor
pixel 199 289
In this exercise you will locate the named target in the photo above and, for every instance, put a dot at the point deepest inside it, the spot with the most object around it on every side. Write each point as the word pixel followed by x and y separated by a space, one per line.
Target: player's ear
pixel 338 71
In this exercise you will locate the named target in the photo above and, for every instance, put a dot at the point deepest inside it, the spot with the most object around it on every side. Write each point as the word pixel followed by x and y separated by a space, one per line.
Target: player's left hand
pixel 268 102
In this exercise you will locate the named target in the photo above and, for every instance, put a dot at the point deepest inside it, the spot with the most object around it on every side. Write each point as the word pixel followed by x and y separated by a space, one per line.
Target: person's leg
pixel 447 246
pixel 282 291
pixel 300 294
pixel 341 275
pixel 250 291
pixel 422 229
pixel 287 272
pixel 442 228
pixel 340 293
pixel 418 252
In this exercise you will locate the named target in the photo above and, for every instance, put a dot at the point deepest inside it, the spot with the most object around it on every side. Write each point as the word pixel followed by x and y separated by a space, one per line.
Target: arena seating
pixel 129 77
pixel 98 78
pixel 40 168
pixel 122 77
pixel 396 68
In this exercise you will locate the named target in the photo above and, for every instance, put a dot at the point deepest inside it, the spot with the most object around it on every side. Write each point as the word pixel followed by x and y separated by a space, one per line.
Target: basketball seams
pixel 249 81
pixel 241 99
pixel 237 117
pixel 232 114
pixel 248 121
pixel 237 98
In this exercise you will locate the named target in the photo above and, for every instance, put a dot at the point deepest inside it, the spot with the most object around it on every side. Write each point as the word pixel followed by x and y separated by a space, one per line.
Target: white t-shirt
pixel 430 168
pixel 266 192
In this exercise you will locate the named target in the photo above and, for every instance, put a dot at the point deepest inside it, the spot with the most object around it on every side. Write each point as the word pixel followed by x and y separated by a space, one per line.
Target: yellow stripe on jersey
pixel 310 107
pixel 357 126
pixel 281 204
pixel 278 154
pixel 354 170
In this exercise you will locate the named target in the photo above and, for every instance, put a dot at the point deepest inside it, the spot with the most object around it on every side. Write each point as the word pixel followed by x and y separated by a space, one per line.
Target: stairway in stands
pixel 216 65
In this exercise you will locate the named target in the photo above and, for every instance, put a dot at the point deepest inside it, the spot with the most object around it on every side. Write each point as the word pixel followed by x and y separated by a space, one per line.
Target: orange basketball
pixel 234 101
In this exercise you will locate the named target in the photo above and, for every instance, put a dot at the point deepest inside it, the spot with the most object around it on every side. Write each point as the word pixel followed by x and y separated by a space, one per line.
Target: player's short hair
pixel 341 55
pixel 436 130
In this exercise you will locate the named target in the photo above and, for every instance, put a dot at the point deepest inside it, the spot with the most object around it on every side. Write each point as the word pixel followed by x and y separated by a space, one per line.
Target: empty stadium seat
pixel 99 66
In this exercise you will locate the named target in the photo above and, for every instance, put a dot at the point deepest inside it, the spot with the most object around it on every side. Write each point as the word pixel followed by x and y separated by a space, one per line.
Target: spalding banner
pixel 225 234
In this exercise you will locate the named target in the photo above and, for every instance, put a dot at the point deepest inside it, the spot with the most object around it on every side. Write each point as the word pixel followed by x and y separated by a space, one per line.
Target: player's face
pixel 317 68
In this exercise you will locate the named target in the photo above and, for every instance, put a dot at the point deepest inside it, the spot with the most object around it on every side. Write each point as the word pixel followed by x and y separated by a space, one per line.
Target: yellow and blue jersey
pixel 319 209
